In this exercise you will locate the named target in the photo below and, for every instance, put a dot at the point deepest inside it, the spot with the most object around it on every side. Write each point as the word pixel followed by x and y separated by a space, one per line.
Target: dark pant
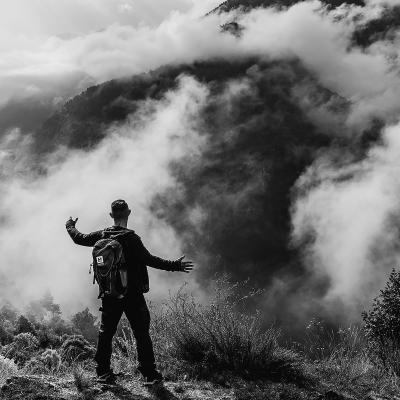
pixel 138 315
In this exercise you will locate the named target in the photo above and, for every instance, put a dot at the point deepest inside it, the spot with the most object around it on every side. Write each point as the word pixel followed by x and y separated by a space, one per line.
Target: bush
pixel 47 339
pixel 83 383
pixel 22 348
pixel 24 326
pixel 7 369
pixel 57 325
pixel 219 337
pixel 85 323
pixel 382 324
pixel 76 348
pixel 6 332
pixel 48 362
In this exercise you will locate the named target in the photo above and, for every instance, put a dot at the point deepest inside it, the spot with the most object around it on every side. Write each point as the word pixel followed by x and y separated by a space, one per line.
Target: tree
pixel 8 313
pixel 382 323
pixel 47 302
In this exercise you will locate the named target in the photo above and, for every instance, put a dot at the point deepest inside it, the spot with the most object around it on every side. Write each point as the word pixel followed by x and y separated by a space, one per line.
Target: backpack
pixel 109 268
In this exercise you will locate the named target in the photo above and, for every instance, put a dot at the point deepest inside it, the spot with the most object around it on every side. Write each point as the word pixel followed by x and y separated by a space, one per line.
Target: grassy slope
pixel 213 351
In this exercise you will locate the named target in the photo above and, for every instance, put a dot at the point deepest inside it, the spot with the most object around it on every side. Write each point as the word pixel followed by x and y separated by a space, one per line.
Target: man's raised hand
pixel 184 266
pixel 71 222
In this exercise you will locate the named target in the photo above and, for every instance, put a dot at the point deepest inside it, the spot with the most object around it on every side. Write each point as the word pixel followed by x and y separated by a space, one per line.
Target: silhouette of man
pixel 137 258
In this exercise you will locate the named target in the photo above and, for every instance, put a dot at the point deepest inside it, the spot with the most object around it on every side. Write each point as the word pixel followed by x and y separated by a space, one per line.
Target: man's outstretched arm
pixel 82 239
pixel 166 265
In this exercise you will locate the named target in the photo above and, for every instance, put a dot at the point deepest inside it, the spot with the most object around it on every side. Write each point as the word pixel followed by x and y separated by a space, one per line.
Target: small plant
pixel 80 380
pixel 48 362
pixel 76 348
pixel 83 384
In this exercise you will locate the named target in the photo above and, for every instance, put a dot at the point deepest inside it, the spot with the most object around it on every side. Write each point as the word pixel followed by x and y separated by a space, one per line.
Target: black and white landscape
pixel 261 138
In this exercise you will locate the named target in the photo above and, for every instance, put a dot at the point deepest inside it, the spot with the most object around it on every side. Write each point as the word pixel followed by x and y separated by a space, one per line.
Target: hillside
pixel 246 5
pixel 260 148
pixel 235 359
pixel 283 143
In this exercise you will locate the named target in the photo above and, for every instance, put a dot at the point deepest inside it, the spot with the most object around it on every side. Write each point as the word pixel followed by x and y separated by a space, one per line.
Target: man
pixel 137 257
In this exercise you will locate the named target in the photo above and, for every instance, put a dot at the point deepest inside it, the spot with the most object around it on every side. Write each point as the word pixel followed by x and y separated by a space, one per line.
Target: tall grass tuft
pixel 83 383
pixel 216 336
pixel 219 335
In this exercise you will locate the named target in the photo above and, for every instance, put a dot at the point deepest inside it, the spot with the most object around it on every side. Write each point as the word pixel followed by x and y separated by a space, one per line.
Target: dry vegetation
pixel 214 346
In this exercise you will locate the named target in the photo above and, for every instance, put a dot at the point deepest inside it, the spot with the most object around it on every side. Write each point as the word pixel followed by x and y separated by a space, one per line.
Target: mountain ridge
pixel 274 134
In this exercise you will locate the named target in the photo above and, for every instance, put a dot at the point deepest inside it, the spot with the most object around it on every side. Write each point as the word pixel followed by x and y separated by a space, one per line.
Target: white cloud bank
pixel 132 164
pixel 35 65
pixel 352 214
pixel 367 78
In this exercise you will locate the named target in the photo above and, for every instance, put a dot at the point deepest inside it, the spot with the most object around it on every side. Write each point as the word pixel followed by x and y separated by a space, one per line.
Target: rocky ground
pixel 35 387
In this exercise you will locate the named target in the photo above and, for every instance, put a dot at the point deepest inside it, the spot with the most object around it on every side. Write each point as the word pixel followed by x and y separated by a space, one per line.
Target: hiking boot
pixel 109 378
pixel 152 378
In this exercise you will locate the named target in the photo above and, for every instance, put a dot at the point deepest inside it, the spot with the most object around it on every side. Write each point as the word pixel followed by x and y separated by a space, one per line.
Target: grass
pixel 213 340
pixel 83 384
pixel 342 359
pixel 220 343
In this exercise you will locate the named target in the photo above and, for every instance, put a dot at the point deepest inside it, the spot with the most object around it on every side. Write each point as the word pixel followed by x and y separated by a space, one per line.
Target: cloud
pixel 131 163
pixel 349 215
pixel 53 63
pixel 47 47
pixel 33 65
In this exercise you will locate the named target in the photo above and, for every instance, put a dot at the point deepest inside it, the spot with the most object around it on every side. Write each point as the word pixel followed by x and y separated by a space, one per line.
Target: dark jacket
pixel 137 257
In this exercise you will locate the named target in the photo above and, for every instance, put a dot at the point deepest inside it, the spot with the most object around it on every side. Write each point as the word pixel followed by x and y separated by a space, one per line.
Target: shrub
pixel 220 340
pixel 76 348
pixel 219 337
pixel 7 369
pixel 48 362
pixel 24 326
pixel 6 332
pixel 81 381
pixel 22 348
pixel 57 325
pixel 382 324
pixel 85 323
pixel 47 338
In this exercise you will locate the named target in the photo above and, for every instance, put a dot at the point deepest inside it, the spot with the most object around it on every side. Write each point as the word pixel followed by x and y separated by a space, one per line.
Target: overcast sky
pixel 44 43
pixel 25 20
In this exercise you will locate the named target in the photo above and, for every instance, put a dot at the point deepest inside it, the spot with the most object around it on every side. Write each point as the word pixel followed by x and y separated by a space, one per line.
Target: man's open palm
pixel 185 266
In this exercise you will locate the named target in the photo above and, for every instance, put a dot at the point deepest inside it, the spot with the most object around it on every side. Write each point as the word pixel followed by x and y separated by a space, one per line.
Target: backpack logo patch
pixel 100 260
